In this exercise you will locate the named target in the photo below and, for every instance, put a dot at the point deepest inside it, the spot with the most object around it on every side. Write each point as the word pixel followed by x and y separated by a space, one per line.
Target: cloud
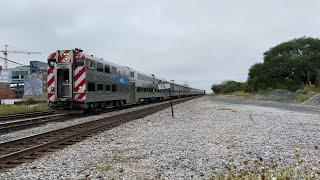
pixel 201 42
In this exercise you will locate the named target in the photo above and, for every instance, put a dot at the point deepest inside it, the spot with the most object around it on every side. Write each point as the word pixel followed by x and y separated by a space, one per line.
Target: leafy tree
pixel 289 65
pixel 305 47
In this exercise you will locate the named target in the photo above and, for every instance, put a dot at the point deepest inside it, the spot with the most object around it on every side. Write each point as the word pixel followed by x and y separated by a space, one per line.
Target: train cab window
pixel 91 86
pixel 100 67
pixel 114 88
pixel 92 64
pixel 108 88
pixel 107 69
pixel 51 62
pixel 78 62
pixel 100 87
pixel 132 74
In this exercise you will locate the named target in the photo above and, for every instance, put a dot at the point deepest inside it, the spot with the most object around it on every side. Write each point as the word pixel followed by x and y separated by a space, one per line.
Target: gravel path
pixel 203 136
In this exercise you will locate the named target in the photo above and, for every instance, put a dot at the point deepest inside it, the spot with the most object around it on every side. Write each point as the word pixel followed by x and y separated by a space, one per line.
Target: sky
pixel 200 42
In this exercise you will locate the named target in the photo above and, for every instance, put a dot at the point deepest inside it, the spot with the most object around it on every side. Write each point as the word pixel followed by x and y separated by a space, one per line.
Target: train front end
pixel 66 80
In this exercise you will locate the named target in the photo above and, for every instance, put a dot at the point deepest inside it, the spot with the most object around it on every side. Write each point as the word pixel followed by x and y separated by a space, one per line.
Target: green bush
pixel 228 87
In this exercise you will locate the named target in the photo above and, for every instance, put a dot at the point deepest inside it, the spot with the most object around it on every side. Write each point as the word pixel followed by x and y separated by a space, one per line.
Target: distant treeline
pixel 290 65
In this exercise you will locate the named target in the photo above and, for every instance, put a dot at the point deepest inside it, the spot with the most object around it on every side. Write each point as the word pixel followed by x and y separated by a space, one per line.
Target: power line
pixel 12 61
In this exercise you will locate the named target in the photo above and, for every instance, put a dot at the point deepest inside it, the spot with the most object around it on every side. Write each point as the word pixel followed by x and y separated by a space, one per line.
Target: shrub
pixel 228 87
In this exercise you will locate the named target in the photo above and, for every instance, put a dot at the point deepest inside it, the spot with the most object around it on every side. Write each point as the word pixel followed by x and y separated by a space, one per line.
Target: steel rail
pixel 11 126
pixel 24 115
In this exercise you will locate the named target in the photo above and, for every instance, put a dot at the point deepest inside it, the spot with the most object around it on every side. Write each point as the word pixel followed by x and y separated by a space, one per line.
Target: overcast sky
pixel 199 41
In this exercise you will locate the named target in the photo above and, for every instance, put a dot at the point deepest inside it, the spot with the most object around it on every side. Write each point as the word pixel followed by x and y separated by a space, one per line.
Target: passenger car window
pixel 107 69
pixel 114 70
pixel 114 88
pixel 100 67
pixel 108 88
pixel 100 87
pixel 92 64
pixel 91 86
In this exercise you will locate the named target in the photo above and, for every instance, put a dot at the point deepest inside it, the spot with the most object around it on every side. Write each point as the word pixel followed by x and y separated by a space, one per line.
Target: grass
pixel 242 94
pixel 236 94
pixel 22 108
pixel 307 92
pixel 259 169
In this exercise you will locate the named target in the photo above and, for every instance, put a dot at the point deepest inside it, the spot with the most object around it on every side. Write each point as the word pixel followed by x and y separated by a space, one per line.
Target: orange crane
pixel 5 53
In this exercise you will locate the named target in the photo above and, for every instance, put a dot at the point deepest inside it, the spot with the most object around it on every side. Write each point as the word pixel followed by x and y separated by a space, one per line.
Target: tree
pixel 289 65
pixel 305 47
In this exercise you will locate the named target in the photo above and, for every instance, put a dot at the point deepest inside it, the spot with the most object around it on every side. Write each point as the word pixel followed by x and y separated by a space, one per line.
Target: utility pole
pixel 171 97
pixel 5 53
pixel 172 87
pixel 153 87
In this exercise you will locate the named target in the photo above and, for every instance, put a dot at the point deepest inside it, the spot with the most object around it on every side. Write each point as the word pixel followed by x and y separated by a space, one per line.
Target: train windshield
pixel 51 62
pixel 78 62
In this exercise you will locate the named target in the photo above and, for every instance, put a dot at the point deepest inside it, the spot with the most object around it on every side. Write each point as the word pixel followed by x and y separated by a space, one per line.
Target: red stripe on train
pixel 81 96
pixel 50 81
pixel 50 70
pixel 50 95
pixel 53 55
pixel 83 82
pixel 77 76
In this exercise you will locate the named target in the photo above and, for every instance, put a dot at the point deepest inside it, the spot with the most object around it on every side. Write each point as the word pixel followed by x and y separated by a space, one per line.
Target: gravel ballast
pixel 203 136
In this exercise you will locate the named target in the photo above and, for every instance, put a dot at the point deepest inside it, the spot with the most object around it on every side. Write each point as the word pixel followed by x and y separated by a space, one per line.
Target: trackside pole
pixel 171 103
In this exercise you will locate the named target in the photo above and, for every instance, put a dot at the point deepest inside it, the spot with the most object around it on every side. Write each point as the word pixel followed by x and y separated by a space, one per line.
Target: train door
pixel 64 85
pixel 132 92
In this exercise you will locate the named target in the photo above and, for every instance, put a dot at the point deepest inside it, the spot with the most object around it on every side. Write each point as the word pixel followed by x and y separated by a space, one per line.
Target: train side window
pixel 108 88
pixel 107 69
pixel 100 87
pixel 114 88
pixel 114 70
pixel 78 62
pixel 91 86
pixel 100 67
pixel 92 64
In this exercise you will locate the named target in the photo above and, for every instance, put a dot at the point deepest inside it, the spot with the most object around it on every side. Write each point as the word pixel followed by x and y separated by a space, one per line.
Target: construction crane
pixel 5 53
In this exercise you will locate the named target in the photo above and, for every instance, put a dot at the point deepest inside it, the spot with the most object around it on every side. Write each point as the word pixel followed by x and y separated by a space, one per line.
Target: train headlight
pixel 80 87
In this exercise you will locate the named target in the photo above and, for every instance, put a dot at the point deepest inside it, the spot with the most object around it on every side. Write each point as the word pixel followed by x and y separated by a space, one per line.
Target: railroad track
pixel 24 115
pixel 10 126
pixel 13 153
pixel 24 123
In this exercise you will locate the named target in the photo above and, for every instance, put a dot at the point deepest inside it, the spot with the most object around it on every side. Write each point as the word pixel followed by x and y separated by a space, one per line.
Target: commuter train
pixel 78 81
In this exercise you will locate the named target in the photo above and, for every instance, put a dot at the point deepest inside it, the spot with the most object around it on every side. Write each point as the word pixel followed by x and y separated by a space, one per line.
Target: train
pixel 79 81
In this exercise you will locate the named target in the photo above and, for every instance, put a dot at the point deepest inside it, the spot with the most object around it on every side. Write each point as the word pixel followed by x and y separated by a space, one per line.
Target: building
pixel 16 77
pixel 6 92
pixel 37 67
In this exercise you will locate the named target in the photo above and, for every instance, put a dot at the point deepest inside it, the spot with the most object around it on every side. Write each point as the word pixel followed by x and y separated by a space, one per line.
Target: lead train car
pixel 78 81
